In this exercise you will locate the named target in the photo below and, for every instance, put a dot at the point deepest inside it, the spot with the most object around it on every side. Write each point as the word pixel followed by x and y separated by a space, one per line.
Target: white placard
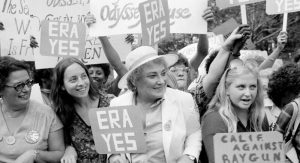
pixel 122 17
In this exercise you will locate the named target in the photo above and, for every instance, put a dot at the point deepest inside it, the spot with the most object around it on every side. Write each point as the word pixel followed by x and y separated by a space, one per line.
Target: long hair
pixel 221 102
pixel 62 101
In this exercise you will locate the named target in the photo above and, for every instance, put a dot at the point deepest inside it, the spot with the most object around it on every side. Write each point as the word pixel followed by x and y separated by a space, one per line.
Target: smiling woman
pixel 29 131
pixel 73 93
pixel 171 126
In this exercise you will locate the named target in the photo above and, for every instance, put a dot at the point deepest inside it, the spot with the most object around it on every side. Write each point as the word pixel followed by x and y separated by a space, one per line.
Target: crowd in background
pixel 180 118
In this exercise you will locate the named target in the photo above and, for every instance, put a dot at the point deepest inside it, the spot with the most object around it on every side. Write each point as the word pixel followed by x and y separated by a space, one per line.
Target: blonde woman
pixel 236 107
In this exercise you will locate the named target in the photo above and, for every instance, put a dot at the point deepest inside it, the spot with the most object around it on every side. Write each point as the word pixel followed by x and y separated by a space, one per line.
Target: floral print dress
pixel 82 137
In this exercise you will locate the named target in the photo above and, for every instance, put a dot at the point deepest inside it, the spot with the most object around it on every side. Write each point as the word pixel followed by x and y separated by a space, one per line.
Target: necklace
pixel 10 140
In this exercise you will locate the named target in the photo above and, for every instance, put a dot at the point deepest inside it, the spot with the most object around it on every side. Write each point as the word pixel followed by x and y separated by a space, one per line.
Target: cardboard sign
pixel 282 6
pixel 62 39
pixel 122 16
pixel 94 53
pixel 18 27
pixel 231 3
pixel 226 28
pixel 249 147
pixel 155 21
pixel 117 129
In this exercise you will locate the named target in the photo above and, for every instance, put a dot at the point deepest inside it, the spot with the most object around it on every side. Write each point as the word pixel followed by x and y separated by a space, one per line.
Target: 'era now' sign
pixel 62 39
pixel 230 3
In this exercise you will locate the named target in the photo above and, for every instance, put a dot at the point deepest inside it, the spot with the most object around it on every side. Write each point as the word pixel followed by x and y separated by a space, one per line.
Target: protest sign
pixel 282 6
pixel 226 28
pixel 62 39
pixel 94 53
pixel 249 147
pixel 122 17
pixel 231 3
pixel 189 51
pixel 155 21
pixel 18 27
pixel 117 129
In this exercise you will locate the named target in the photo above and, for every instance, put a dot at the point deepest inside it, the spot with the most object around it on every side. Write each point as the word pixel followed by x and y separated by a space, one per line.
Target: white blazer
pixel 184 136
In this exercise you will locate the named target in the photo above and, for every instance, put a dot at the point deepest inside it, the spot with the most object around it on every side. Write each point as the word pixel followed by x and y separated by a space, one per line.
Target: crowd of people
pixel 179 119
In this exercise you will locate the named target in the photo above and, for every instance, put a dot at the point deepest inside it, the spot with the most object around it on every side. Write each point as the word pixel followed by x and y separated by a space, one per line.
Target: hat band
pixel 137 62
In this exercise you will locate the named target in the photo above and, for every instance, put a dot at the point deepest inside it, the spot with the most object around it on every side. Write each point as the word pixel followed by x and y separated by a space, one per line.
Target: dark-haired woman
pixel 73 94
pixel 29 131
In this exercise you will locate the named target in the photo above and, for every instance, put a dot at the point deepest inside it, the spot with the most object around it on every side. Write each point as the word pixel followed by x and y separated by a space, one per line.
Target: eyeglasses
pixel 177 69
pixel 20 86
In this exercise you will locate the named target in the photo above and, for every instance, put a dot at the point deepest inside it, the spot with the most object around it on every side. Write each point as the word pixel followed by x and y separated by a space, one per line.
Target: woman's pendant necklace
pixel 10 140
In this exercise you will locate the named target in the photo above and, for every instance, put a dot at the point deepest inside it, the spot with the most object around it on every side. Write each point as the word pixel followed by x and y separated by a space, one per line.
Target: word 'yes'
pixel 63 30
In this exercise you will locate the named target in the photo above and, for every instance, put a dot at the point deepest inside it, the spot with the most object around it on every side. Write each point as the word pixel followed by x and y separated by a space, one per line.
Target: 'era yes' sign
pixel 62 39
pixel 117 129
pixel 282 6
pixel 155 21
pixel 230 3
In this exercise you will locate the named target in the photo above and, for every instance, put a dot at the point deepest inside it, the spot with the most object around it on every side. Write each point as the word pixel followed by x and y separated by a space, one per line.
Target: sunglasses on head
pixel 236 63
pixel 177 69
pixel 20 86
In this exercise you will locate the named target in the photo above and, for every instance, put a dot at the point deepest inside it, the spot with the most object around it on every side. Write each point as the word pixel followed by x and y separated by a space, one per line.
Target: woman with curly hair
pixel 237 106
pixel 284 89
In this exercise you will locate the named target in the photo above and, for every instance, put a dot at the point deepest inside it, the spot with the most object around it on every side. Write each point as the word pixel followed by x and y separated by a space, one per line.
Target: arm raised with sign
pixel 224 56
pixel 202 46
pixel 281 42
pixel 112 56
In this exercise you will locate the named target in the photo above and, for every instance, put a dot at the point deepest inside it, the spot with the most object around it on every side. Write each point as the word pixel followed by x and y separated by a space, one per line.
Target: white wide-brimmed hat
pixel 140 56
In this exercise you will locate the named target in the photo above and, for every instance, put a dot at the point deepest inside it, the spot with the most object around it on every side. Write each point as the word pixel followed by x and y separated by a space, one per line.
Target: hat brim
pixel 170 60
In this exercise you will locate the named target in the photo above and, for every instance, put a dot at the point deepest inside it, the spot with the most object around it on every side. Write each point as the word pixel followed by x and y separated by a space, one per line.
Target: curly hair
pixel 9 65
pixel 283 83
pixel 104 66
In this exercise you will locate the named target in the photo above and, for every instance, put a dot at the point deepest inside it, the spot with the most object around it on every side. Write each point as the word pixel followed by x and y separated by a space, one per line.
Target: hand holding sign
pixel 208 15
pixel 282 39
pixel 242 32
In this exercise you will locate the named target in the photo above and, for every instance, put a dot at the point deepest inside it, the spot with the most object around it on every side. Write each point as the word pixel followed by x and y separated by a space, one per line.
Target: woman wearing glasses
pixel 237 105
pixel 29 131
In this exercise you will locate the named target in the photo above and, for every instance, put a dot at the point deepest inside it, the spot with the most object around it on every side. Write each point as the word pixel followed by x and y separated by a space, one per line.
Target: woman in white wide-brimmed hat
pixel 172 128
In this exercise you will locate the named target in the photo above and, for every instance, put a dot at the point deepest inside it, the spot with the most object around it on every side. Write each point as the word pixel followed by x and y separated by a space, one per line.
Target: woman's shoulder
pixel 212 123
pixel 41 108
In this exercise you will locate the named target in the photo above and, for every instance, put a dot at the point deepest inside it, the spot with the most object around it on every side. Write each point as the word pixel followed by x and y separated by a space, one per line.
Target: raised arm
pixel 202 46
pixel 111 55
pixel 218 66
pixel 281 42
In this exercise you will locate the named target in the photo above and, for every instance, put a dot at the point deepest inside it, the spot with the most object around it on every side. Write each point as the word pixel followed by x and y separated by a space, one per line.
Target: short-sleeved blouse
pixel 40 118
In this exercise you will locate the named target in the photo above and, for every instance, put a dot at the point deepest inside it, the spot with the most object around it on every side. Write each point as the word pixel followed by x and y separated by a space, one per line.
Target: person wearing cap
pixel 172 128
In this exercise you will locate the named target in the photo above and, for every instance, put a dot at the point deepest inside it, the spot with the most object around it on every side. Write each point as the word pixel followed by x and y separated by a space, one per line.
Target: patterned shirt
pixel 82 137
pixel 200 97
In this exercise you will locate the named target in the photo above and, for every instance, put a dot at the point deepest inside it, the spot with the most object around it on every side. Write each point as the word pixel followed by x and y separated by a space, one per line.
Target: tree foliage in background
pixel 265 29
